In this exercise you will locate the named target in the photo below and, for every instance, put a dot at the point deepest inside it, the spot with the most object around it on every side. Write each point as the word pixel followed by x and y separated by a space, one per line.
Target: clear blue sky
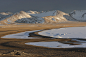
pixel 39 5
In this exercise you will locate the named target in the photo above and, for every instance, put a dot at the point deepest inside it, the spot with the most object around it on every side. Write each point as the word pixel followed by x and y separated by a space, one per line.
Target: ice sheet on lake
pixel 56 45
pixel 22 35
pixel 71 32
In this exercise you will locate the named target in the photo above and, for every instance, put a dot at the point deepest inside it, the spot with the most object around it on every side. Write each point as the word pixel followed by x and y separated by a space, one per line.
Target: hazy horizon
pixel 42 5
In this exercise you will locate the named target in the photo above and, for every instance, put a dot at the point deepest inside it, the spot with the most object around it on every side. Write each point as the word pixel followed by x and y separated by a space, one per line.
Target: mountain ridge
pixel 34 17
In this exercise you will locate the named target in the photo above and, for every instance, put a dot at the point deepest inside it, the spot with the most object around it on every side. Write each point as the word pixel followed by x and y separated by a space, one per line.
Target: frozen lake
pixel 70 32
pixel 76 34
pixel 73 33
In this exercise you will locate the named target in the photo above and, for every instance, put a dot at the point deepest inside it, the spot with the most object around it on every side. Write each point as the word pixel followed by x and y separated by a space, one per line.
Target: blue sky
pixel 39 5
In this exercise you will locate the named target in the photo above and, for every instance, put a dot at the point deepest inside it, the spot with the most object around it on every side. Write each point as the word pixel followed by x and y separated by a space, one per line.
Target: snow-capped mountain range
pixel 54 16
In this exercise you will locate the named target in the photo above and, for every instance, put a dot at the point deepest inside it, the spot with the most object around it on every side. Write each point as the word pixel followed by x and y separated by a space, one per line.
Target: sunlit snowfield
pixel 76 34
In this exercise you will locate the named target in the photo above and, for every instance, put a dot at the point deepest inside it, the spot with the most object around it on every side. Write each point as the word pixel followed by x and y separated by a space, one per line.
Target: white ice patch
pixel 56 45
pixel 22 35
pixel 72 32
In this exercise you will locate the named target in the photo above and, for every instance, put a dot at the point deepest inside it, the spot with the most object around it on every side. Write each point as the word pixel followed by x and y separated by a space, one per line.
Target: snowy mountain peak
pixel 79 15
pixel 5 13
pixel 57 16
pixel 23 14
pixel 15 17
pixel 32 12
pixel 60 13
